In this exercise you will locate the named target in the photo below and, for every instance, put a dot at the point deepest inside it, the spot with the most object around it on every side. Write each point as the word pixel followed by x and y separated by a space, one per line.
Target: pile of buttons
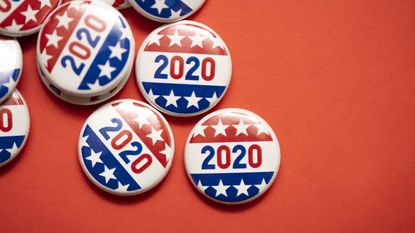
pixel 85 55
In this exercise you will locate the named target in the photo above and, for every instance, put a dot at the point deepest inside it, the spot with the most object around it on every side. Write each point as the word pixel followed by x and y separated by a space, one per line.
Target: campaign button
pixel 24 17
pixel 183 69
pixel 167 10
pixel 232 156
pixel 85 48
pixel 126 147
pixel 11 60
pixel 14 126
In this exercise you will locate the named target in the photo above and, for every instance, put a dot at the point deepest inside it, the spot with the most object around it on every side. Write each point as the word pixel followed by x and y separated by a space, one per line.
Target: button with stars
pixel 11 60
pixel 183 69
pixel 24 17
pixel 85 48
pixel 126 147
pixel 167 10
pixel 14 126
pixel 232 156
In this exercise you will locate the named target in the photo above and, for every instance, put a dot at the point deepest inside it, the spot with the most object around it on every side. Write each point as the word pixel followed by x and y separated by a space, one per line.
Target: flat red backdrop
pixel 336 81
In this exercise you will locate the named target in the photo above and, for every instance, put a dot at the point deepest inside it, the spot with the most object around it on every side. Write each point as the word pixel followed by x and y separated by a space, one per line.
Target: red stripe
pixel 156 122
pixel 186 30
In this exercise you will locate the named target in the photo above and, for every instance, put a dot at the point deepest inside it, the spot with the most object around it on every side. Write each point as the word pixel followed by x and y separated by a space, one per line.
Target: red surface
pixel 335 79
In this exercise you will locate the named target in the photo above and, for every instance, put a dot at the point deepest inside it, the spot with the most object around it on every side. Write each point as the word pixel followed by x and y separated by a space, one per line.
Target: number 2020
pixel 6 120
pixel 177 68
pixel 224 158
pixel 79 50
pixel 123 138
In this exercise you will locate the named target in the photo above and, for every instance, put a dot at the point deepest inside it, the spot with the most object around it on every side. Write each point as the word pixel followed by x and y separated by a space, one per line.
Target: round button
pixel 167 10
pixel 81 100
pixel 183 69
pixel 126 147
pixel 232 156
pixel 24 17
pixel 11 60
pixel 14 127
pixel 85 48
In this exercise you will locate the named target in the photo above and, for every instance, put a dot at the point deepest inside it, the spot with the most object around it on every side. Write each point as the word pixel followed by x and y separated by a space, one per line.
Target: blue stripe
pixel 5 77
pixel 109 160
pixel 7 142
pixel 186 90
pixel 103 56
pixel 252 178
pixel 175 5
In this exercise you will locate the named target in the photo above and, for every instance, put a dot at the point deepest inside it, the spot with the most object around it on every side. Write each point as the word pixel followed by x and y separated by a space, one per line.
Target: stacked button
pixel 232 156
pixel 11 60
pixel 167 10
pixel 183 69
pixel 14 126
pixel 24 17
pixel 126 147
pixel 85 52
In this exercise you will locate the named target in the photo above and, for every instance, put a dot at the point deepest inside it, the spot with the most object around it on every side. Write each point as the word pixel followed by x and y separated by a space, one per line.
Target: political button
pixel 24 17
pixel 126 147
pixel 183 69
pixel 14 126
pixel 232 156
pixel 80 100
pixel 167 10
pixel 85 48
pixel 11 60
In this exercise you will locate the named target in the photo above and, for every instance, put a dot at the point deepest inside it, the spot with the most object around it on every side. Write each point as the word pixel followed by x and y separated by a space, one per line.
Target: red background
pixel 336 81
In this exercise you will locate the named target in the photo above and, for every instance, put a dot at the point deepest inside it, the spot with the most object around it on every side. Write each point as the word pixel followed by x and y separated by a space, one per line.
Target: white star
pixel 53 39
pixel 220 128
pixel 261 186
pixel 213 100
pixel 175 39
pixel 106 69
pixel 159 5
pixel 123 188
pixel 217 42
pixel 44 58
pixel 94 86
pixel 44 3
pixel 174 14
pixel 193 100
pixel 141 120
pixel 64 20
pixel 14 26
pixel 261 129
pixel 200 130
pixel 201 187
pixel 108 174
pixel 151 96
pixel 155 39
pixel 14 148
pixel 221 189
pixel 197 40
pixel 241 128
pixel 155 135
pixel 171 99
pixel 242 188
pixel 94 158
pixel 30 14
pixel 84 141
pixel 167 151
pixel 124 33
pixel 117 51
pixel 10 83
